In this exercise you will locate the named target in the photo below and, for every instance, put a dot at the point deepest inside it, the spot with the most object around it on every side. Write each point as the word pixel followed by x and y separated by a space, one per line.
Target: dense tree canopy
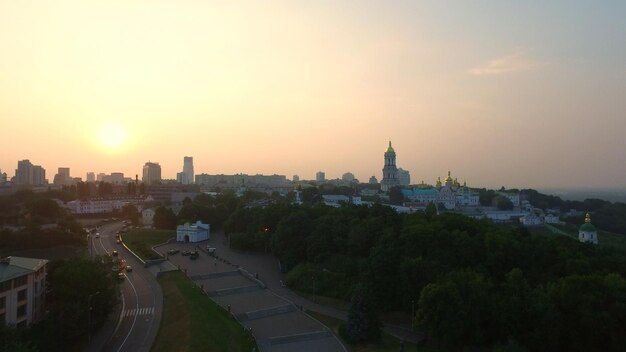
pixel 474 283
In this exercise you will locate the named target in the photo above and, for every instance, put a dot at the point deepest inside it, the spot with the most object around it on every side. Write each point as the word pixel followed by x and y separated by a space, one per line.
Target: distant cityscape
pixel 448 194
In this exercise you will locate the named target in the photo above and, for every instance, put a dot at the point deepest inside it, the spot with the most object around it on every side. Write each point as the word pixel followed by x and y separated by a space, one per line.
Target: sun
pixel 112 136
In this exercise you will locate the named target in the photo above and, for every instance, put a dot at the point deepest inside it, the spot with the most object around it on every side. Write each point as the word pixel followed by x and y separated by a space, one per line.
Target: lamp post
pixel 89 245
pixel 89 315
pixel 412 315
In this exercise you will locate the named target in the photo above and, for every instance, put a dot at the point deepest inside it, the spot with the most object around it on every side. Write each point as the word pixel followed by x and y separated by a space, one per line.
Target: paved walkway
pixel 265 266
pixel 276 323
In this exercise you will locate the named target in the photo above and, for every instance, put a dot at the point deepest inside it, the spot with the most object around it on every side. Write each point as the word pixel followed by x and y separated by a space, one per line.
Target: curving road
pixel 142 299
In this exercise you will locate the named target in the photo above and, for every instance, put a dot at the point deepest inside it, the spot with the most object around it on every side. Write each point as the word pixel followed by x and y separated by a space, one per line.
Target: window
pixel 21 295
pixel 21 310
pixel 3 304
pixel 5 286
pixel 20 281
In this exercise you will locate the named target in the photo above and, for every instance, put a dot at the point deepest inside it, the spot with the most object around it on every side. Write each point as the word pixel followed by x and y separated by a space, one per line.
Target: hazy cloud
pixel 515 62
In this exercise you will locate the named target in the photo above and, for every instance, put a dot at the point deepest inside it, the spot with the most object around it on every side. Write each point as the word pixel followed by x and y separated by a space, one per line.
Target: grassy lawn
pixel 325 301
pixel 192 322
pixel 141 241
pixel 387 343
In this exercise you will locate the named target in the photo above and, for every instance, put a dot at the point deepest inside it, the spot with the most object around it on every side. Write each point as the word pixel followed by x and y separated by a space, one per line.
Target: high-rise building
pixel 91 177
pixel 100 177
pixel 29 174
pixel 404 177
pixel 390 171
pixel 296 178
pixel 115 177
pixel 3 176
pixel 320 176
pixel 186 176
pixel 39 176
pixel 373 180
pixel 188 170
pixel 63 176
pixel 151 173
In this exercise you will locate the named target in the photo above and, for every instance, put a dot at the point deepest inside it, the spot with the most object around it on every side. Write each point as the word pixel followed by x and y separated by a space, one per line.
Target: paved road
pixel 142 300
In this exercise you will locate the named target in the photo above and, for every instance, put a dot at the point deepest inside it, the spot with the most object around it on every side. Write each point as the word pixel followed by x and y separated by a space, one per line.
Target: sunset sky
pixel 502 93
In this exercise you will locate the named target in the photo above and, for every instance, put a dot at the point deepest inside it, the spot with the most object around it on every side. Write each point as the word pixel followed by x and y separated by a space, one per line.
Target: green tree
pixel 395 195
pixel 503 203
pixel 363 324
pixel 431 210
pixel 164 218
pixel 74 285
pixel 456 309
pixel 289 240
pixel 131 213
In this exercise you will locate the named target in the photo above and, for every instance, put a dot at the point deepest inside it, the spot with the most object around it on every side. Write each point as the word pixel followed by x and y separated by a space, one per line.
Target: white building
pixel 22 290
pixel 147 217
pixel 531 219
pixel 103 205
pixel 504 215
pixel 404 177
pixel 551 219
pixel 193 232
pixel 335 200
pixel 588 232
pixel 465 197
pixel 451 194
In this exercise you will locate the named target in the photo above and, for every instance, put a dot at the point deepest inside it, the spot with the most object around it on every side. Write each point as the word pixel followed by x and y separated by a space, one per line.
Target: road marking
pixel 135 318
pixel 140 311
pixel 102 245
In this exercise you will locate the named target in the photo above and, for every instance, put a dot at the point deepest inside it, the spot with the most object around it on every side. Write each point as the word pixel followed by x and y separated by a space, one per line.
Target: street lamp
pixel 89 315
pixel 412 315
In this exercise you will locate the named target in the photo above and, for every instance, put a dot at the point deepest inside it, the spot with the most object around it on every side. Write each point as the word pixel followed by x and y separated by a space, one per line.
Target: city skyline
pixel 501 93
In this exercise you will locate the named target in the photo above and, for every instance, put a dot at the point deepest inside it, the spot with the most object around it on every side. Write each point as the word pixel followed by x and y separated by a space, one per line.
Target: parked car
pixel 97 234
pixel 114 253
pixel 211 250
pixel 185 253
pixel 129 268
pixel 194 255
pixel 118 241
pixel 172 251
pixel 121 276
